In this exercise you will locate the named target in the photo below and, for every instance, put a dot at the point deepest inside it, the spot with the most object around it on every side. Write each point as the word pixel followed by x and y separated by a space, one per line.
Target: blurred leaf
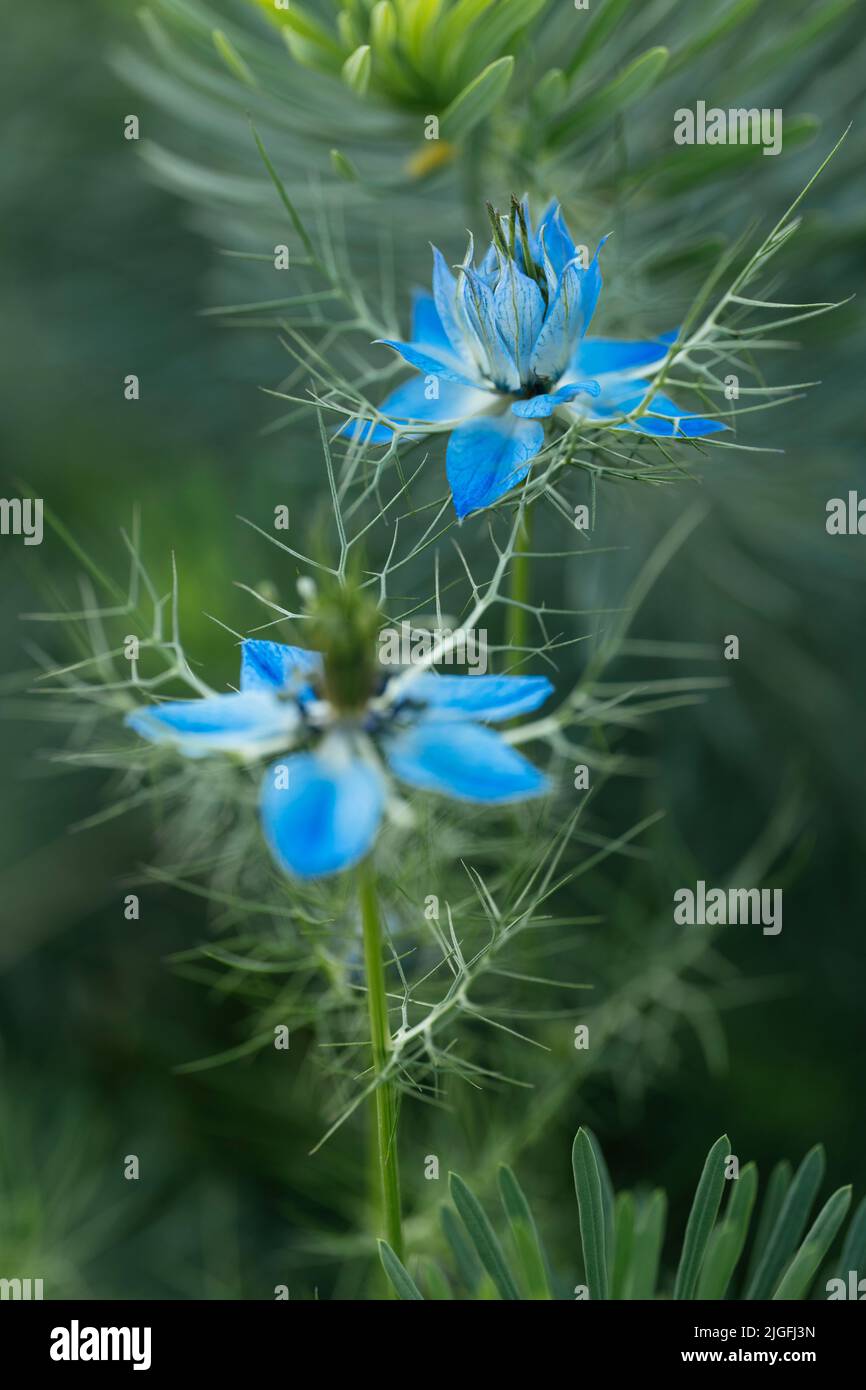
pixel 356 70
pixel 499 25
pixel 476 101
pixel 820 1236
pixel 714 33
pixel 689 166
pixel 785 49
pixel 623 1247
pixel 729 1237
pixel 232 59
pixel 777 1188
pixel 343 167
pixel 465 1258
pixel 854 1249
pixel 525 1235
pixel 305 36
pixel 789 1224
pixel 482 1235
pixel 401 1280
pixel 649 1231
pixel 599 25
pixel 438 1287
pixel 702 1218
pixel 615 97
pixel 550 93
pixel 590 1204
pixel 607 1192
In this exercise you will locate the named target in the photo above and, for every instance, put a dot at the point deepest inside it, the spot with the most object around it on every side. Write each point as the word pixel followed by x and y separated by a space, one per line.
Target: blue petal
pixel 568 318
pixel 326 816
pixel 479 306
pixel 409 402
pixel 445 297
pixel 520 310
pixel 427 327
pixel 486 457
pixel 676 422
pixel 238 723
pixel 415 355
pixel 275 666
pixel 365 431
pixel 478 697
pixel 539 407
pixel 556 239
pixel 464 760
pixel 599 356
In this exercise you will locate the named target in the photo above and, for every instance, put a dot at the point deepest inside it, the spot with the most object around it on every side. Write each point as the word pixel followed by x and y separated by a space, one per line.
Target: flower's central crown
pixel 519 316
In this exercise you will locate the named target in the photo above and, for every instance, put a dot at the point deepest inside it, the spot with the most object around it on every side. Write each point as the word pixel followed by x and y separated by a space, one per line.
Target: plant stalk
pixel 516 627
pixel 380 1034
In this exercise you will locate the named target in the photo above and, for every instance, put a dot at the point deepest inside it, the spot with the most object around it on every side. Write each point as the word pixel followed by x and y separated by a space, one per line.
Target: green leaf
pixel 854 1250
pixel 475 102
pixel 343 167
pixel 232 59
pixel 465 1258
pixel 607 1193
pixel 598 25
pixel 691 165
pixel 416 30
pixel 623 1246
pixel 649 1232
pixel 777 1187
pixel 454 26
pixel 482 1235
pixel 401 1280
pixel 716 31
pixel 786 47
pixel 702 1218
pixel 494 33
pixel 789 1224
pixel 729 1237
pixel 820 1236
pixel 383 27
pixel 356 70
pixel 525 1235
pixel 302 31
pixel 615 97
pixel 549 94
pixel 590 1205
pixel 435 1282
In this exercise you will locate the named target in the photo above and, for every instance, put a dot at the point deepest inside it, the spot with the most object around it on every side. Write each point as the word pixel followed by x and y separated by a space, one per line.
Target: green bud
pixel 356 69
pixel 343 167
pixel 550 92
pixel 383 27
pixel 344 626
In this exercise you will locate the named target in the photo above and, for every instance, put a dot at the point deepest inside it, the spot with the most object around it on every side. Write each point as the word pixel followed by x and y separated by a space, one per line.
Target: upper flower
pixel 500 348
pixel 321 807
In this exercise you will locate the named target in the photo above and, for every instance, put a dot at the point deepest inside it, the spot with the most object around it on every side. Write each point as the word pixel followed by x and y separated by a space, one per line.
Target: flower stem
pixel 385 1095
pixel 521 571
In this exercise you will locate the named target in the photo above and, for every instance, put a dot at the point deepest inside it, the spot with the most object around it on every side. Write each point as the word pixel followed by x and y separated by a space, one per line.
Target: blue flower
pixel 500 349
pixel 321 807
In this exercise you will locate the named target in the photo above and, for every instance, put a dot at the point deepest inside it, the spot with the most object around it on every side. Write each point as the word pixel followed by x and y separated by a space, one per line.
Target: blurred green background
pixel 104 273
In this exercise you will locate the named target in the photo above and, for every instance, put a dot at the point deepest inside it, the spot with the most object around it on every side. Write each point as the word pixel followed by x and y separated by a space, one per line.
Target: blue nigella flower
pixel 500 349
pixel 321 807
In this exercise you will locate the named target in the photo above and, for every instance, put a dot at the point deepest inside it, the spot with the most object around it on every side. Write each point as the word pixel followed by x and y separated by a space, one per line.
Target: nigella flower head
pixel 500 349
pixel 352 728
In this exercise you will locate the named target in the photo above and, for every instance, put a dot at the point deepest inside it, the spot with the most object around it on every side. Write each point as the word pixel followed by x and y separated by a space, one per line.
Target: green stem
pixel 517 620
pixel 380 1035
